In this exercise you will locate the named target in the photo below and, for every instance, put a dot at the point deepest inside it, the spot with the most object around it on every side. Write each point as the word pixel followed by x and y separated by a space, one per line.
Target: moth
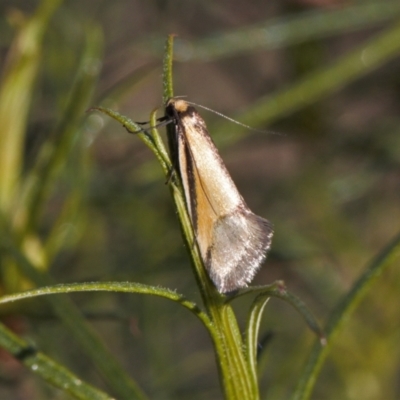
pixel 232 240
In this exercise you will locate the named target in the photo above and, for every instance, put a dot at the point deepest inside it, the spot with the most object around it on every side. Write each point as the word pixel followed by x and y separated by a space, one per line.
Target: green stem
pixel 238 379
pixel 168 90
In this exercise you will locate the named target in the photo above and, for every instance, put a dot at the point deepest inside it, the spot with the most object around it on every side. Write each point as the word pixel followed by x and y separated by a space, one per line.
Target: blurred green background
pixel 88 202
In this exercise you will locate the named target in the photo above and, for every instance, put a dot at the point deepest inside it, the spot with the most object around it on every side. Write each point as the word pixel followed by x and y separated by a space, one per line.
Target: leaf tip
pixel 90 109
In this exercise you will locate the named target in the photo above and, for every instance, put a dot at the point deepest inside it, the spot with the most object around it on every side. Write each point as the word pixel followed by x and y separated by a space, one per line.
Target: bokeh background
pixel 321 76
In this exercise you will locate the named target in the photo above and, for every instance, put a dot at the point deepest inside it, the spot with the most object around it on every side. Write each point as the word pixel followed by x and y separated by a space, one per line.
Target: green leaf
pixel 278 289
pixel 16 91
pixel 319 84
pixel 340 314
pixel 69 314
pixel 117 287
pixel 152 141
pixel 48 369
pixel 252 329
pixel 289 30
pixel 55 152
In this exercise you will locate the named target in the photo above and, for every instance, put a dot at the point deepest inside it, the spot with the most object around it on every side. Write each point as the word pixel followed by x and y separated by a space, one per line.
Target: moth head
pixel 178 104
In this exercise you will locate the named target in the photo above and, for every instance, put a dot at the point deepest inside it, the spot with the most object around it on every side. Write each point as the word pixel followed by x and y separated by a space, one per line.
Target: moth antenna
pixel 234 120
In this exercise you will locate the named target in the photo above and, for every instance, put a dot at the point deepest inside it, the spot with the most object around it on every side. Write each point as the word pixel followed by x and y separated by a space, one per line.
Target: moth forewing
pixel 232 240
pixel 240 243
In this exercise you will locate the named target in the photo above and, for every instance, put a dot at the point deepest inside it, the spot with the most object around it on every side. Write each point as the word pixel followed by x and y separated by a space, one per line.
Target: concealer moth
pixel 232 240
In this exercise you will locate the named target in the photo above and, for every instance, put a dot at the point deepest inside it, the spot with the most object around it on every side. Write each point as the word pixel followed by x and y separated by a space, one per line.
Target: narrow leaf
pixel 252 329
pixel 16 91
pixel 64 308
pixel 117 287
pixel 341 313
pixel 319 84
pixel 47 368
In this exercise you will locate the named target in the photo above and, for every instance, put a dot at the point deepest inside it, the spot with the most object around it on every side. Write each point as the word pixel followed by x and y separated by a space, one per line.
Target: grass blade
pixel 342 312
pixel 47 368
